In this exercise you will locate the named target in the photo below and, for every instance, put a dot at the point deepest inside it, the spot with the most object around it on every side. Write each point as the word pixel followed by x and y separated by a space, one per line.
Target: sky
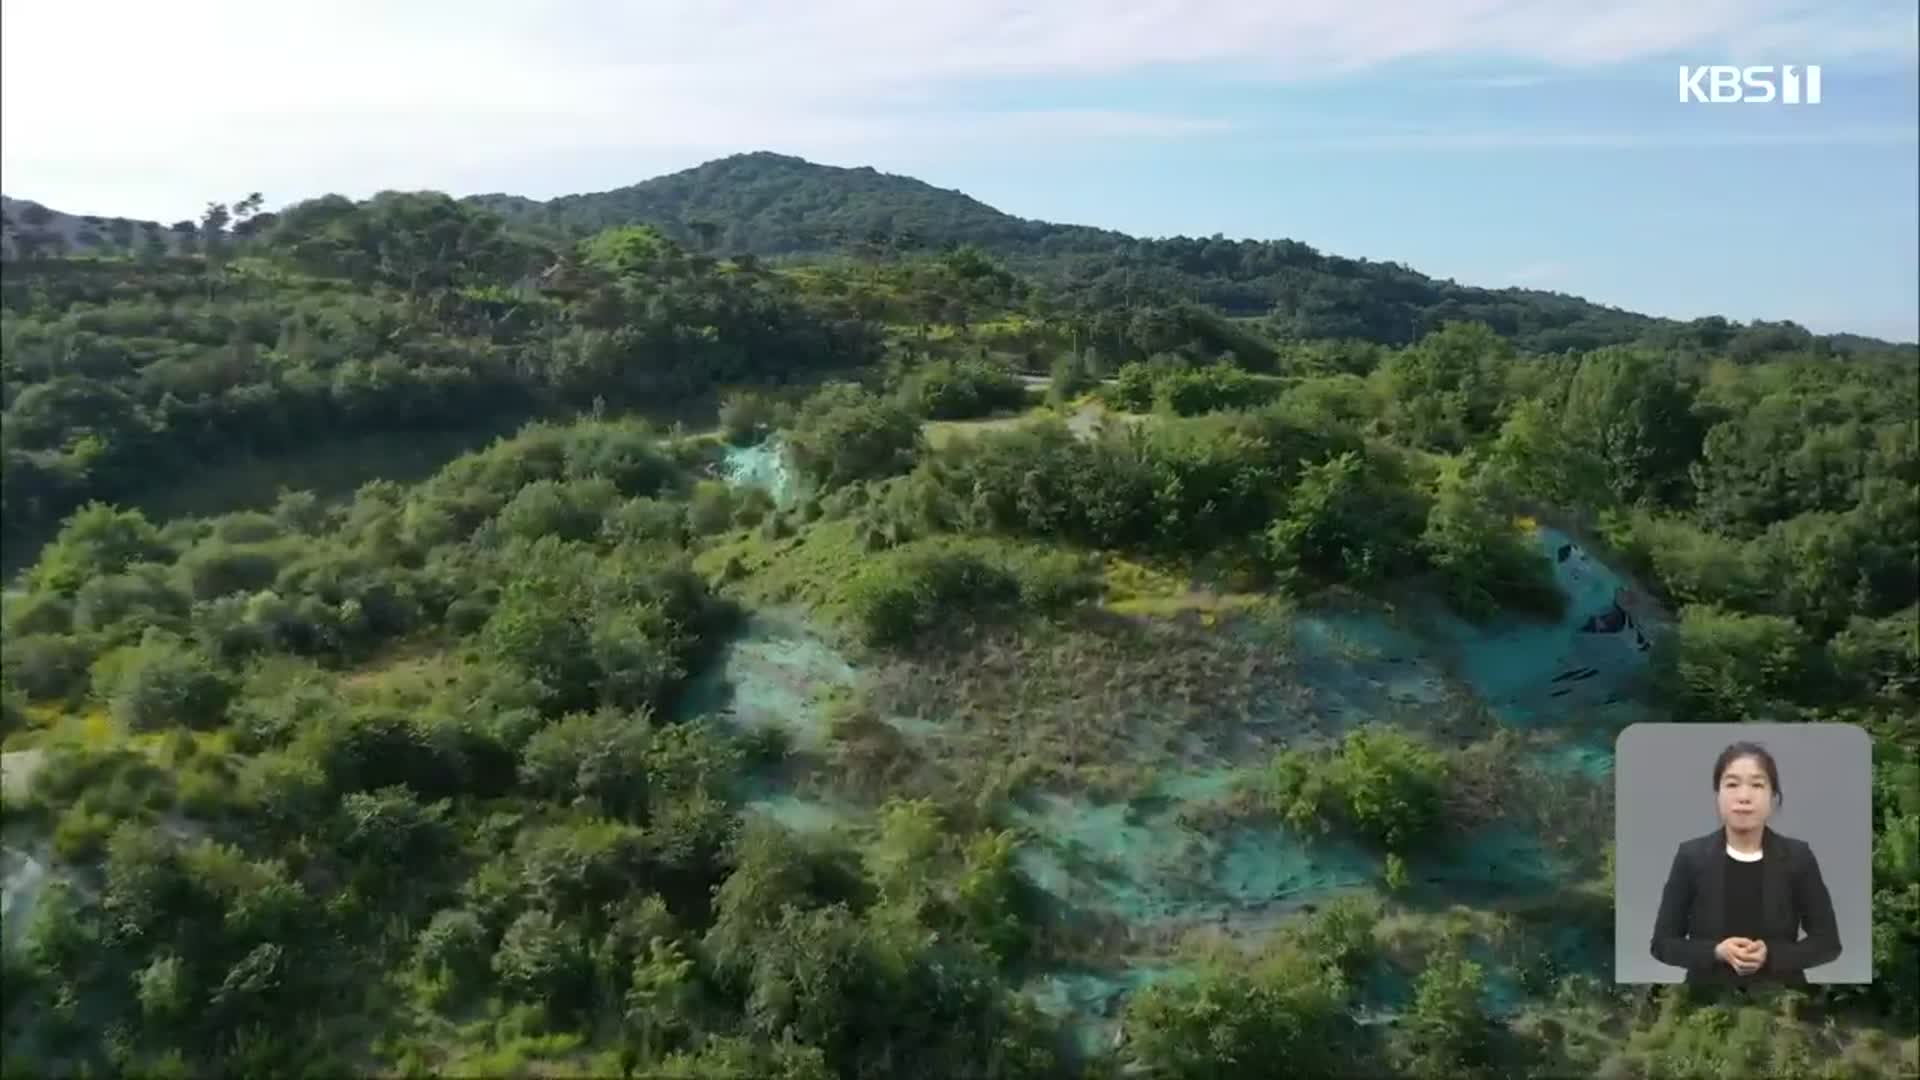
pixel 1538 143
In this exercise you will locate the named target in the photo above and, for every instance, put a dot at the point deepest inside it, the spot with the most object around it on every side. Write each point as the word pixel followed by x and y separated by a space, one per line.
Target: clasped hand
pixel 1743 955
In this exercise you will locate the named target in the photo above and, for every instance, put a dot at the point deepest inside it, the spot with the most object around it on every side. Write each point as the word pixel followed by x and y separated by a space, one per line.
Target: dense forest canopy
pixel 429 774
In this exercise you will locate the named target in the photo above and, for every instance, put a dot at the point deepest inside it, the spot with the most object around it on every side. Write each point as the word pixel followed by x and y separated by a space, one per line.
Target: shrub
pixel 1488 563
pixel 217 568
pixel 542 959
pixel 125 605
pixel 162 683
pixel 961 390
pixel 570 511
pixel 1341 933
pixel 1380 782
pixel 1349 519
pixel 81 834
pixel 38 613
pixel 893 600
pixel 1285 1014
pixel 845 434
pixel 746 418
pixel 96 540
pixel 1447 1031
pixel 453 948
pixel 1132 387
pixel 1209 389
pixel 45 666
pixel 711 508
pixel 751 506
pixel 1053 580
pixel 1732 667
pixel 642 520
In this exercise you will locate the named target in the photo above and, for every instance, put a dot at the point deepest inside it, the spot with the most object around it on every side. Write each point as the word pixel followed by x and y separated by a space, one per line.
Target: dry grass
pixel 1076 696
pixel 1496 779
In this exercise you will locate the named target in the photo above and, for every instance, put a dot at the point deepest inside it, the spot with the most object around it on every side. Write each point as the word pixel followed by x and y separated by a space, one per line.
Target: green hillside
pixel 445 646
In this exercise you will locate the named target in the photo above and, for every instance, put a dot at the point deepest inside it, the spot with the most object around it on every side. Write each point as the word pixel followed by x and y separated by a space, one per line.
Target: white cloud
pixel 1603 140
pixel 133 100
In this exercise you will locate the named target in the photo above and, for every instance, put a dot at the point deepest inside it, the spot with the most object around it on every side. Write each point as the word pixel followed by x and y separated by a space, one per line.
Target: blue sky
pixel 1525 142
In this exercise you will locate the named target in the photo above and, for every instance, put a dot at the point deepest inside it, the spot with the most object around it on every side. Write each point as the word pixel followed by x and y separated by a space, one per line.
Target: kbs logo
pixel 1722 84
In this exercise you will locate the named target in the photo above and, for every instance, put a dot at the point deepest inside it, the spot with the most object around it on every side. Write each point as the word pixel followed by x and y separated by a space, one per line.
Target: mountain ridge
pixel 782 206
pixel 30 227
pixel 785 208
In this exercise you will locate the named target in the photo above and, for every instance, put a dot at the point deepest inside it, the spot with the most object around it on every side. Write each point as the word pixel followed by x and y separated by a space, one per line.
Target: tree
pixel 543 960
pixel 660 998
pixel 961 390
pixel 1733 667
pixel 811 980
pixel 1473 541
pixel 770 871
pixel 164 994
pixel 1346 520
pixel 844 434
pixel 1070 378
pixel 248 221
pixel 1533 460
pixel 97 540
pixel 1630 410
pixel 599 758
pixel 453 950
pixel 1446 389
pixel 391 834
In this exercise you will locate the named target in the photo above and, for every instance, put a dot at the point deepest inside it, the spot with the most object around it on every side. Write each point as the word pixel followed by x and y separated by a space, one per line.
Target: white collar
pixel 1745 856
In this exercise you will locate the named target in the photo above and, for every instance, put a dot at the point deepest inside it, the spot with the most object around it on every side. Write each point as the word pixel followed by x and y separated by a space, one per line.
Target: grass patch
pixel 805 569
pixel 943 433
pixel 1134 587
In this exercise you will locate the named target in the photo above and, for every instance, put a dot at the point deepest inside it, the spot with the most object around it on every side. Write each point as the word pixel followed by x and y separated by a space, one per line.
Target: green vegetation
pixel 1381 783
pixel 413 778
pixel 405 313
pixel 961 390
pixel 909 591
pixel 1242 1021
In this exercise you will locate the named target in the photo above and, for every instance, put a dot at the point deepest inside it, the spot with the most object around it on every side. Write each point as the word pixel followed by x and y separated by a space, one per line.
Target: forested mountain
pixel 809 691
pixel 28 229
pixel 776 205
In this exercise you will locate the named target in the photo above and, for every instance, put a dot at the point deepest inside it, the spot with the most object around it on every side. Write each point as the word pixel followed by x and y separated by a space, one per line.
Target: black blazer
pixel 1692 916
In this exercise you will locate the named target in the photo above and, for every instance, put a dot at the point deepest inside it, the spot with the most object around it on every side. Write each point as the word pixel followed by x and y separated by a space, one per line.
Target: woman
pixel 1737 898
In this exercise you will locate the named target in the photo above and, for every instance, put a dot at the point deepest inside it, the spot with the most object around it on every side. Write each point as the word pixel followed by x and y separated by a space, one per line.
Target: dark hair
pixel 1755 751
